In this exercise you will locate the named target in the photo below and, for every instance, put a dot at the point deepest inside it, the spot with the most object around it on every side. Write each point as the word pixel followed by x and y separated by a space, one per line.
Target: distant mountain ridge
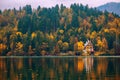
pixel 110 7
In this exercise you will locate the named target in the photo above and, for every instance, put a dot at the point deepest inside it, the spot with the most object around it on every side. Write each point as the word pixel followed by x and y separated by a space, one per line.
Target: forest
pixel 59 29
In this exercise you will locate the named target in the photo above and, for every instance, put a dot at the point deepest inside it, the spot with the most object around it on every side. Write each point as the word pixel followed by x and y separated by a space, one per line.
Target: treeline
pixel 57 29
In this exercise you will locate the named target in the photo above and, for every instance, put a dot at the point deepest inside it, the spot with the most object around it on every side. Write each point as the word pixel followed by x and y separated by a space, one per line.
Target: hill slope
pixel 111 7
pixel 58 29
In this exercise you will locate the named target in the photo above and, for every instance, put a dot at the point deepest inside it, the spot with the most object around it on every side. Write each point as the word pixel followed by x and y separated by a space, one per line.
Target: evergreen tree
pixel 28 9
pixel 0 12
pixel 24 24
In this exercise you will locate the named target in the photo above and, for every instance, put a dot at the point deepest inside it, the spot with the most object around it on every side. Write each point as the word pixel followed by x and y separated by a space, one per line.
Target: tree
pixel 25 24
pixel 28 9
pixel 59 43
pixel 26 41
pixel 34 22
pixel 44 20
pixel 19 47
pixel 2 48
pixel 62 7
pixel 93 35
pixel 65 46
pixel 75 22
pixel 38 9
pixel 79 46
pixel 110 37
pixel 8 40
pixel 13 40
pixel 54 17
pixel 94 27
pixel 86 25
pixel 105 44
pixel 0 12
pixel 3 21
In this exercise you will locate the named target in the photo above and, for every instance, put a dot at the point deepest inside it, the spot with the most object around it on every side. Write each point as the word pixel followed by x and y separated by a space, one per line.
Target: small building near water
pixel 88 47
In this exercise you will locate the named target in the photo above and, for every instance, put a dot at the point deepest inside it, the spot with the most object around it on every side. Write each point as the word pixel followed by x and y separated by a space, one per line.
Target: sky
pixel 6 4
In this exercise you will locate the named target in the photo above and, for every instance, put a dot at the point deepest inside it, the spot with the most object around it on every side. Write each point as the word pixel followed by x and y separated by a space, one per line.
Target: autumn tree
pixel 2 48
pixel 65 46
pixel 105 44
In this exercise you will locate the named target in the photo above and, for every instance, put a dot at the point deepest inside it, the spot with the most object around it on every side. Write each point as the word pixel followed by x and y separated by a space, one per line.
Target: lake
pixel 59 68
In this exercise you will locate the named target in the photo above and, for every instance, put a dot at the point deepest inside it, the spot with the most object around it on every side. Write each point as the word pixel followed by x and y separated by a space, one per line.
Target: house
pixel 88 47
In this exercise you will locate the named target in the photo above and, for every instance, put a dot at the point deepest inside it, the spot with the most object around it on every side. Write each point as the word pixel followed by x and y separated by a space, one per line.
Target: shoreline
pixel 68 53
pixel 58 56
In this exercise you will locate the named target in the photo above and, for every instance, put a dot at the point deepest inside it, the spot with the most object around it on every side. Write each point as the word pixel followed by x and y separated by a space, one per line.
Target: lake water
pixel 60 68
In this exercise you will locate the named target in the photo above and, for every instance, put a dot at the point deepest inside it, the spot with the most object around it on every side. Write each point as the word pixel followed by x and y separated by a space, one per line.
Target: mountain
pixel 110 7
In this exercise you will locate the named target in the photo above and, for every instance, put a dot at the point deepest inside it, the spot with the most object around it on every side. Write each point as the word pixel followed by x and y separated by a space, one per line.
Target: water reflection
pixel 58 68
pixel 88 63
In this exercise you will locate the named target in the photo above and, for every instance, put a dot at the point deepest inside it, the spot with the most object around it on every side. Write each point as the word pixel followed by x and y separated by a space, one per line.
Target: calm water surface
pixel 60 68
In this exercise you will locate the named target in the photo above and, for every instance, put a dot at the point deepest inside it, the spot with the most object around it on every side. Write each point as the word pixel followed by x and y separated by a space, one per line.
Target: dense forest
pixel 57 29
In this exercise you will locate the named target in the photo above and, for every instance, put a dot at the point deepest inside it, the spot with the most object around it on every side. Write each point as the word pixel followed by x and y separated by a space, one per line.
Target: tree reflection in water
pixel 60 68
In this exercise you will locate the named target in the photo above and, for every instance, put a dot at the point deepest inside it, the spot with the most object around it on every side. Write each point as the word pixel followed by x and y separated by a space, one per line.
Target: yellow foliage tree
pixel 65 45
pixel 33 35
pixel 2 47
pixel 93 35
pixel 61 31
pixel 106 30
pixel 100 20
pixel 99 44
pixel 60 43
pixel 78 46
pixel 51 37
pixel 86 24
pixel 19 33
pixel 105 44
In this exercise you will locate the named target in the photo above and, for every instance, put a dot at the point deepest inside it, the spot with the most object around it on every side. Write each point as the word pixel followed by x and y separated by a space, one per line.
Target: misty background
pixel 10 4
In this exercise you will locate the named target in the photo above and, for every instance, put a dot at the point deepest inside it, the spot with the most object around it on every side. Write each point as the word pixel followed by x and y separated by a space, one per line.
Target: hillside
pixel 111 7
pixel 58 29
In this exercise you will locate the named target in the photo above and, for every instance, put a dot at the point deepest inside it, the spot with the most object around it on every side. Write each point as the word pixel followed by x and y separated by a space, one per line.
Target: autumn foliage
pixel 51 30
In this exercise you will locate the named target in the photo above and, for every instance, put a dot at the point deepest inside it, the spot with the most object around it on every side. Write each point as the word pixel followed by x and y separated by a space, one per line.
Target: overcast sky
pixel 6 4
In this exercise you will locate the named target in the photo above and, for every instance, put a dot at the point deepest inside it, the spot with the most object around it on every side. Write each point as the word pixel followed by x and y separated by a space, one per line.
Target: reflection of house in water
pixel 88 63
pixel 88 47
pixel 84 63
